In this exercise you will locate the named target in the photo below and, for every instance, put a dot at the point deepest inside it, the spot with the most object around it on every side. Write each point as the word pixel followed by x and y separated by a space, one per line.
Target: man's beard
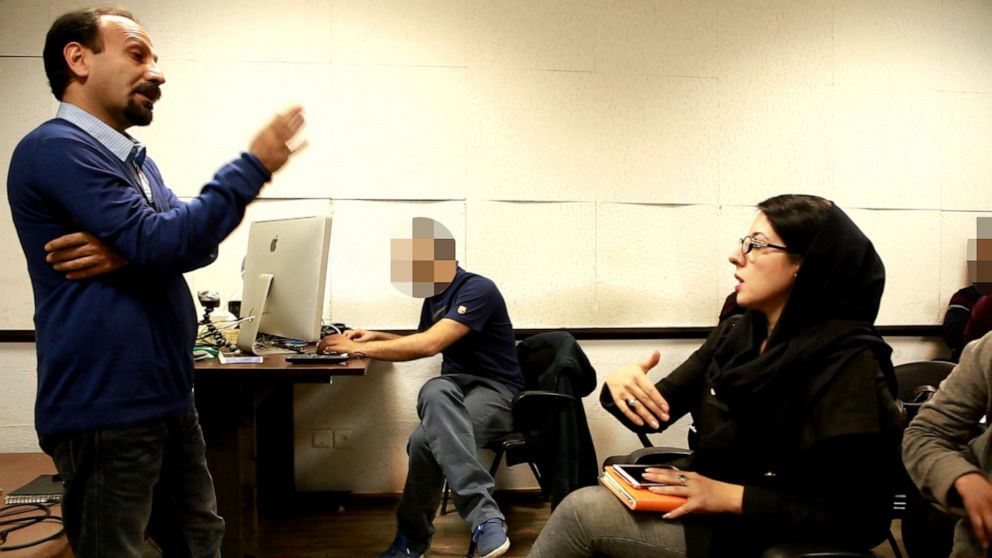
pixel 137 114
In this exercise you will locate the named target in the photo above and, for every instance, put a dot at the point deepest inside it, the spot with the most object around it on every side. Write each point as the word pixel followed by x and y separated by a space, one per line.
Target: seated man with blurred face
pixel 107 244
pixel 464 317
pixel 960 325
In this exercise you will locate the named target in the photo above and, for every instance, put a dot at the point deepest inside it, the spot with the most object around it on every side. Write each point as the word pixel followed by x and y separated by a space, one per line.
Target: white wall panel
pixel 547 35
pixel 362 294
pixel 395 132
pixel 776 42
pixel 30 20
pixel 17 433
pixel 966 56
pixel 966 142
pixel 776 140
pixel 210 112
pixel 657 264
pixel 675 38
pixel 542 257
pixel 885 148
pixel 537 135
pixel 888 43
pixel 662 137
pixel 246 31
pixel 399 32
pixel 907 244
pixel 183 139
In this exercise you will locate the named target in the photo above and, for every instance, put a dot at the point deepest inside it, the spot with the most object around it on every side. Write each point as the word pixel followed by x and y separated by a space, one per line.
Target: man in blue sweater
pixel 114 406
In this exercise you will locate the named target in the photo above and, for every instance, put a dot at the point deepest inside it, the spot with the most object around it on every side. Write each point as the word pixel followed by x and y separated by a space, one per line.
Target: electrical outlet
pixel 342 439
pixel 323 438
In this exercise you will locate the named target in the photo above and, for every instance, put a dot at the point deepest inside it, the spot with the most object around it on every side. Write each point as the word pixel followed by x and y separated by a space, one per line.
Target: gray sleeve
pixel 934 447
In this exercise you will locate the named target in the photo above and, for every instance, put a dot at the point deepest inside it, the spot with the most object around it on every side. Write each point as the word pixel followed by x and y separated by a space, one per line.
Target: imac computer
pixel 284 279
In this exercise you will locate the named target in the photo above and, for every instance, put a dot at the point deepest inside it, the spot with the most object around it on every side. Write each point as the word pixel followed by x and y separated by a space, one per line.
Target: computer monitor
pixel 284 280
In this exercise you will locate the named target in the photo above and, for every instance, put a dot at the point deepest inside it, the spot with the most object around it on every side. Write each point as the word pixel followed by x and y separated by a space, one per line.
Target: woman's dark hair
pixel 796 218
pixel 81 26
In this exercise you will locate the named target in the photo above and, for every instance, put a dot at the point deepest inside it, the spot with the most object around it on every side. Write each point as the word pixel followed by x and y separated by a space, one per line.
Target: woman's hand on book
pixel 702 494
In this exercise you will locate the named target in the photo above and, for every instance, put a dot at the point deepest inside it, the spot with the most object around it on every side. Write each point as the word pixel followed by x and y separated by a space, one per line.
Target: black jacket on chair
pixel 565 456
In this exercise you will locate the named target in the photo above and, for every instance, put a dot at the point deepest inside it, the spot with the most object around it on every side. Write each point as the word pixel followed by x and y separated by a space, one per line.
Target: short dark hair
pixel 796 218
pixel 80 26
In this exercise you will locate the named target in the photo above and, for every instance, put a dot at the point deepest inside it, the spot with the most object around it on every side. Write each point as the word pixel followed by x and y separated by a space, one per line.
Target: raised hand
pixel 635 395
pixel 275 143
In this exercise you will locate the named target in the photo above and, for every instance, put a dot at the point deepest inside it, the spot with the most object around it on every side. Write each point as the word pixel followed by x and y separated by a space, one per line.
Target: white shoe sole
pixel 499 551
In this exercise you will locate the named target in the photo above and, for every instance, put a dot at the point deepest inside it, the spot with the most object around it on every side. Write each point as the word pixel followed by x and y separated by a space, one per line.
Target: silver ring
pixel 682 478
pixel 631 402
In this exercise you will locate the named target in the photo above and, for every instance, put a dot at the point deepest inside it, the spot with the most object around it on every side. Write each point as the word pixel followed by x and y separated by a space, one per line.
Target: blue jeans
pixel 124 483
pixel 459 413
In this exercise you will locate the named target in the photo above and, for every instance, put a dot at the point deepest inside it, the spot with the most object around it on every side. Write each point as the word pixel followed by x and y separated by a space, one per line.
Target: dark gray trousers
pixel 459 413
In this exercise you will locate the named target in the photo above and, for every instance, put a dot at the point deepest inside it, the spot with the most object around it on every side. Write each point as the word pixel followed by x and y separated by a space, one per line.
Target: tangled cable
pixel 20 516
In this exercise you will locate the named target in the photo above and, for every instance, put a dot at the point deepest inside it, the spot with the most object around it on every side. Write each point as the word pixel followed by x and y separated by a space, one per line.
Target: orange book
pixel 638 499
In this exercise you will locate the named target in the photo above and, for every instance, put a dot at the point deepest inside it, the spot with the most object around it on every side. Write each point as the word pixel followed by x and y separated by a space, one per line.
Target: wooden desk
pixel 246 412
pixel 16 470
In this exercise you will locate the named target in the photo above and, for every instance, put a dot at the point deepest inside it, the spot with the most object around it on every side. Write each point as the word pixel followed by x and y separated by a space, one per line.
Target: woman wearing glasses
pixel 795 422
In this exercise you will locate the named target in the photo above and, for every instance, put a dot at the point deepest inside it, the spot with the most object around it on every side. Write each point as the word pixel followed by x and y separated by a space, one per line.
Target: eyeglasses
pixel 749 243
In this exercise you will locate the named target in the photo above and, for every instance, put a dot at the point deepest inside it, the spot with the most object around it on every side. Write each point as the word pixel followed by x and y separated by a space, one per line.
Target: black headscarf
pixel 827 320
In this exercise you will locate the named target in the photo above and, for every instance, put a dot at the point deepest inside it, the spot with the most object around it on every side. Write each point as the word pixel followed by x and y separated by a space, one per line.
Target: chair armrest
pixel 540 395
pixel 652 456
pixel 657 455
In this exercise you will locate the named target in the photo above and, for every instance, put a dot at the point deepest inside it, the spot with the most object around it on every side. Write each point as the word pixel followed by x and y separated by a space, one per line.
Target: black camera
pixel 208 299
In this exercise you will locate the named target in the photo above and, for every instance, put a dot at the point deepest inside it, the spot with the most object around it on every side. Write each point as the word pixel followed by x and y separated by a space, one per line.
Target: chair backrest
pixel 917 382
pixel 542 352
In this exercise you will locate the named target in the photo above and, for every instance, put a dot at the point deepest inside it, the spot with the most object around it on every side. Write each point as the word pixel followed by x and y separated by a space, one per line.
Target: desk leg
pixel 227 416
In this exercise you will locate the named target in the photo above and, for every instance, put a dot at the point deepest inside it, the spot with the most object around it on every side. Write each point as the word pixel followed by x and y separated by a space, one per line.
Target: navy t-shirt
pixel 489 349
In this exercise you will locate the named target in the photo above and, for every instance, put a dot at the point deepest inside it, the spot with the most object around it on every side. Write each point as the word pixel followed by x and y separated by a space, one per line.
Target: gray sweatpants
pixel 459 413
pixel 592 522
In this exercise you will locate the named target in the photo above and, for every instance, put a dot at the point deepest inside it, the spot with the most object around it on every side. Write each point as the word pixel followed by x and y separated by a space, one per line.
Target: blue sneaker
pixel 491 538
pixel 402 548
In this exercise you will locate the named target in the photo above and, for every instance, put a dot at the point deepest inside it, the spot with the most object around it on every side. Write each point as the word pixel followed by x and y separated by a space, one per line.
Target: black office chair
pixel 548 419
pixel 918 381
pixel 926 530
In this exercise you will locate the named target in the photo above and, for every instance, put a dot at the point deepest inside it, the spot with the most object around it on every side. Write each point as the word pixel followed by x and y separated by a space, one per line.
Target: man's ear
pixel 77 58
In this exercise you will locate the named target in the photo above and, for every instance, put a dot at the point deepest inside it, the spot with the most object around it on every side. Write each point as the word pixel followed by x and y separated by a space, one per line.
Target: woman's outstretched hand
pixel 636 396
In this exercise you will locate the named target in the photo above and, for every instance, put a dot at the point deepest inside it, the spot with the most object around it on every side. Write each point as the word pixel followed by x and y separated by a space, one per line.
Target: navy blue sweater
pixel 115 350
